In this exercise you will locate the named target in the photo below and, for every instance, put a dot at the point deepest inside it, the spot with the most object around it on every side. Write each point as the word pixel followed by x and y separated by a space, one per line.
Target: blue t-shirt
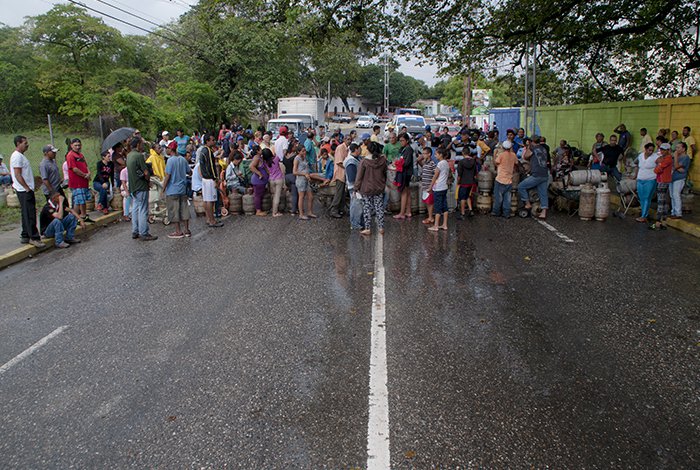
pixel 182 144
pixel 177 168
pixel 684 161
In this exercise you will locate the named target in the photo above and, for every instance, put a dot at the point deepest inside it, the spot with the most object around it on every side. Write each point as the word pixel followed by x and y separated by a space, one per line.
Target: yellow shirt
pixel 690 141
pixel 645 140
pixel 365 151
pixel 157 162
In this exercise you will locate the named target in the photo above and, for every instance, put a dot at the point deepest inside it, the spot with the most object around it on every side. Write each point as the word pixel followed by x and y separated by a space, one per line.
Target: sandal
pixel 365 232
pixel 428 221
pixel 313 216
pixel 433 229
pixel 399 217
pixel 303 217
pixel 188 234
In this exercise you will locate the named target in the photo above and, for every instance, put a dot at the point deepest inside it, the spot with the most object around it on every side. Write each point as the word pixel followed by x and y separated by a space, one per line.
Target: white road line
pixel 378 455
pixel 31 349
pixel 555 231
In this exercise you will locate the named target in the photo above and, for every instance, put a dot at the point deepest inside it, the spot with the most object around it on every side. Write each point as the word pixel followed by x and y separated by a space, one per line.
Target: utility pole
pixel 534 89
pixel 328 101
pixel 51 128
pixel 468 115
pixel 527 77
pixel 386 83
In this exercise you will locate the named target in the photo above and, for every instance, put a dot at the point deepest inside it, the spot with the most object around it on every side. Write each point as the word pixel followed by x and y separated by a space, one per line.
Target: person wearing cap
pixel 5 176
pixel 23 184
pixel 79 179
pixel 539 175
pixel 664 177
pixel 337 207
pixel 165 140
pixel 57 220
pixel 282 142
pixel 505 166
pixel 49 172
pixel 103 182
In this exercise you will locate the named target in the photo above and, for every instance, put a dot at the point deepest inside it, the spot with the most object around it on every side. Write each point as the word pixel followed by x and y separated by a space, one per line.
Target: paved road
pixel 249 347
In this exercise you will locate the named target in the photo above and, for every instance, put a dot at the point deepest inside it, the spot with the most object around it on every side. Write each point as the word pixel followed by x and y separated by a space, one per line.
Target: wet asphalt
pixel 248 347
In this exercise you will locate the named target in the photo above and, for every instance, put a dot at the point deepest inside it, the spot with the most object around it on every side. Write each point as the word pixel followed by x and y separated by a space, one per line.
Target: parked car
pixel 384 118
pixel 365 122
pixel 440 119
pixel 342 118
pixel 414 124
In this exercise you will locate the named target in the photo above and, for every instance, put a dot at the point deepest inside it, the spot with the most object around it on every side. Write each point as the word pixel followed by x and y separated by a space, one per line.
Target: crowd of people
pixel 359 171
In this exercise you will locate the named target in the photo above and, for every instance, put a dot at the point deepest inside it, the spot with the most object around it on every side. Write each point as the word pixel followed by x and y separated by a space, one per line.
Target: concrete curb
pixel 679 224
pixel 28 251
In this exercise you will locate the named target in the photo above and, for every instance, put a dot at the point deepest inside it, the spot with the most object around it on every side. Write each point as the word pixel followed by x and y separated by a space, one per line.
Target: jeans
pixel 127 203
pixel 612 170
pixel 501 199
pixel 645 191
pixel 676 203
pixel 355 211
pixel 104 193
pixel 57 227
pixel 27 203
pixel 6 179
pixel 290 179
pixel 139 213
pixel 541 183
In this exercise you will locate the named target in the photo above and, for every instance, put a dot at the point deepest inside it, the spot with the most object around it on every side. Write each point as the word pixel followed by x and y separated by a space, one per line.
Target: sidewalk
pixel 12 251
pixel 689 224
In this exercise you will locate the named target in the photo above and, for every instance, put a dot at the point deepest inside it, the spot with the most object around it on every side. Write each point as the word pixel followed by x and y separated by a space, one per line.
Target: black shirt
pixel 407 154
pixel 207 164
pixel 105 173
pixel 46 215
pixel 288 164
pixel 611 153
pixel 466 169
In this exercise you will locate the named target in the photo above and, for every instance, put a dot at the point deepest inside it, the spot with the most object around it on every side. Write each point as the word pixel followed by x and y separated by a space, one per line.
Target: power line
pixel 201 56
pixel 130 13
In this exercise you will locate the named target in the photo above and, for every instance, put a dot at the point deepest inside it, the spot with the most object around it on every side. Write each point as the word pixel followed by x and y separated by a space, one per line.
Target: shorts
pixel 465 191
pixel 430 200
pixel 81 196
pixel 178 210
pixel 302 184
pixel 209 190
pixel 440 201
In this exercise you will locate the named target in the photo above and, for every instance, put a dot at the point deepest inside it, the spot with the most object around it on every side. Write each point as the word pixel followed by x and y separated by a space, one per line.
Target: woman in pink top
pixel 276 184
pixel 126 196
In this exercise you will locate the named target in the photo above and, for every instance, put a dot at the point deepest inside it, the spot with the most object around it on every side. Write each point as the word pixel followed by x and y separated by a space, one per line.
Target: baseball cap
pixel 165 133
pixel 665 146
pixel 49 148
pixel 365 136
pixel 507 145
pixel 172 145
pixel 283 130
pixel 2 156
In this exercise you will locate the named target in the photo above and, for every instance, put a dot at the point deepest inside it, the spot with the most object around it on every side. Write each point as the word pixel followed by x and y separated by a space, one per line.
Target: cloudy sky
pixel 12 13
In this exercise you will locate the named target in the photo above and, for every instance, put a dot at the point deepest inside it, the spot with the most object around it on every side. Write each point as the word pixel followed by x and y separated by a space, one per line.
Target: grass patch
pixel 38 138
pixel 9 218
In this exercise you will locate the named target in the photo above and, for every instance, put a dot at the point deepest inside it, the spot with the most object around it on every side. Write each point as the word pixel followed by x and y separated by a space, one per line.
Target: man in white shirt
pixel 282 143
pixel 23 184
pixel 165 141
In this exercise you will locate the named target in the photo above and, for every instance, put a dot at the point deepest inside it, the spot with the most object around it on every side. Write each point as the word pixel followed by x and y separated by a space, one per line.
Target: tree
pixel 616 46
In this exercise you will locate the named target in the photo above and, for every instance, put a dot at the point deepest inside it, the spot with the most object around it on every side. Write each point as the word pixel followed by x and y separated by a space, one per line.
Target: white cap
pixel 165 133
pixel 507 144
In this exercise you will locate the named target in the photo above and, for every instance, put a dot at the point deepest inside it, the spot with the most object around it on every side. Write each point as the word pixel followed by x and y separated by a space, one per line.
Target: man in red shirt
pixel 78 179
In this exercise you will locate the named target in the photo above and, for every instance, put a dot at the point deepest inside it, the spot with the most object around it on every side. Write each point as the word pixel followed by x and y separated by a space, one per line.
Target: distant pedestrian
pixel 664 171
pixel 139 178
pixel 681 165
pixel 405 175
pixel 466 182
pixel 126 195
pixel 79 179
pixel 337 206
pixel 428 166
pixel 175 187
pixel 369 184
pixel 539 176
pixel 260 166
pixel 303 184
pixel 23 184
pixel 646 180
pixel 439 187
pixel 350 165
pixel 209 174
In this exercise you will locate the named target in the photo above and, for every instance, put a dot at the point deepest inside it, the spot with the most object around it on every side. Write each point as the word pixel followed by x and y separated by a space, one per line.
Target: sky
pixel 12 13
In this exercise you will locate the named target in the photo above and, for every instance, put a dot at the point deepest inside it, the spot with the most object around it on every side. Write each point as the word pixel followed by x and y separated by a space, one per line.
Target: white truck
pixel 306 108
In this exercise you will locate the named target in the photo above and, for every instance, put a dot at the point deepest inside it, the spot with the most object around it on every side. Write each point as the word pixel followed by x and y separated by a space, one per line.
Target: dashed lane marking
pixel 31 349
pixel 554 231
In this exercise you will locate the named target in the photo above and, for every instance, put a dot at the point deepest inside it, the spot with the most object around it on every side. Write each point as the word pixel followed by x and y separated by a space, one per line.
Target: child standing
pixel 126 195
pixel 466 181
pixel 426 182
pixel 439 188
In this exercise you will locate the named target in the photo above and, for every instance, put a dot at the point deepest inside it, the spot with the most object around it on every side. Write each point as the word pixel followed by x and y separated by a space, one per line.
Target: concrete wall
pixel 578 124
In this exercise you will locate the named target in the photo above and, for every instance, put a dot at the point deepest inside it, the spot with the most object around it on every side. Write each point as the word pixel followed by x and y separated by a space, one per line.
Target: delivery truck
pixel 306 108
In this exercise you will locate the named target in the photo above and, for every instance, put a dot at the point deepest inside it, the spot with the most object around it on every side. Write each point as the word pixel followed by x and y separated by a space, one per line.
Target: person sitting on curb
pixel 56 218
pixel 5 176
